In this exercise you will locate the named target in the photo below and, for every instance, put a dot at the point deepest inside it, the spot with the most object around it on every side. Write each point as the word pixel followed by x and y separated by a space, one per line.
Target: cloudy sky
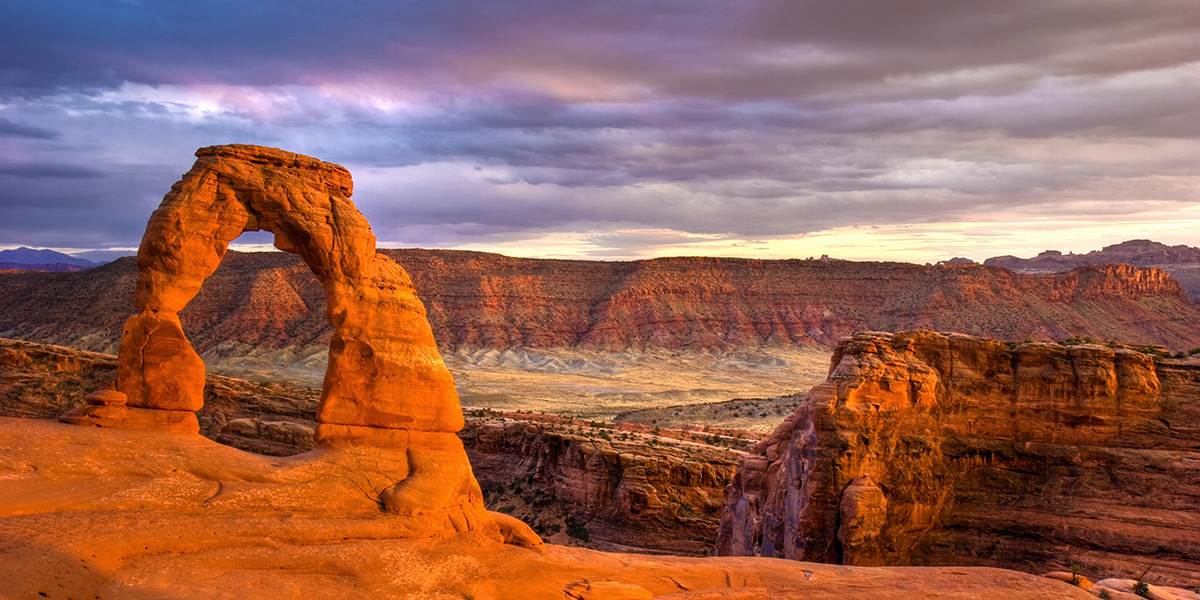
pixel 889 129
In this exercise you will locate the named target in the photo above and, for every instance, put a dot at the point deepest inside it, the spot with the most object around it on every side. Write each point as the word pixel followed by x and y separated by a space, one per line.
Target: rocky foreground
pixel 579 483
pixel 116 514
pixel 924 448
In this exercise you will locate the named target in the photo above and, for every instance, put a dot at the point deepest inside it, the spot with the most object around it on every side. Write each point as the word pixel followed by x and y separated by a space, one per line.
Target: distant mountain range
pixel 29 259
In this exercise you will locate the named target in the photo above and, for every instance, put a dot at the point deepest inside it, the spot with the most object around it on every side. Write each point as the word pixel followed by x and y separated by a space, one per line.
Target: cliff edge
pixel 932 449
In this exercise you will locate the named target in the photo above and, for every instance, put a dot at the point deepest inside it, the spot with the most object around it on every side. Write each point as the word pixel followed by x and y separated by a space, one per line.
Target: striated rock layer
pixel 264 301
pixel 932 449
pixel 638 494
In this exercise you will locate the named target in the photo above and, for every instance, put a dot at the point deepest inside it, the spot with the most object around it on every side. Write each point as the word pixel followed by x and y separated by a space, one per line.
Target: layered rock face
pixel 1131 252
pixel 385 386
pixel 932 449
pixel 629 495
pixel 1182 262
pixel 259 302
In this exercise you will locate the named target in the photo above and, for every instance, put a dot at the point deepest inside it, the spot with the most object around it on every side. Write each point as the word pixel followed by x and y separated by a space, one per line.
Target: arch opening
pixel 384 370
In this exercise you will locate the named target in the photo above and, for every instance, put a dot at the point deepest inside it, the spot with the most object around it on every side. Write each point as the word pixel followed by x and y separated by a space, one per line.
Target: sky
pixel 911 130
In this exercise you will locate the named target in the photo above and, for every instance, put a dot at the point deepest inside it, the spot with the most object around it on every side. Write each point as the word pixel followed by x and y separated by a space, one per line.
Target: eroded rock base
pixel 129 417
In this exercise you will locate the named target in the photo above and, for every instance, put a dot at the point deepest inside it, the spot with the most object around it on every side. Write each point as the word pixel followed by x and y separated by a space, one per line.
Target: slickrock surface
pixel 923 448
pixel 260 301
pixel 118 514
pixel 629 492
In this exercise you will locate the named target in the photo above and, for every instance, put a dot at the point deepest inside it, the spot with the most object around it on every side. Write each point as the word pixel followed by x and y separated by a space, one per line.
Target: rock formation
pixel 385 386
pixel 641 493
pixel 108 513
pixel 1182 262
pixel 1131 252
pixel 630 492
pixel 981 454
pixel 261 302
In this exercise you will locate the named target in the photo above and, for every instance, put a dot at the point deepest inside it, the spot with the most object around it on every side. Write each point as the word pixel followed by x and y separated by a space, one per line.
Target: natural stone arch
pixel 386 385
pixel 384 370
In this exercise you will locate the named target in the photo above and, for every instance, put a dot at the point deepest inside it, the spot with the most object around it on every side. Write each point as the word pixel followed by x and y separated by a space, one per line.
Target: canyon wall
pixel 932 449
pixel 263 302
pixel 631 492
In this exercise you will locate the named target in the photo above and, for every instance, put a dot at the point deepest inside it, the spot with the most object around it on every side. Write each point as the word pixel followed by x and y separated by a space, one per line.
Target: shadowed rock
pixel 980 453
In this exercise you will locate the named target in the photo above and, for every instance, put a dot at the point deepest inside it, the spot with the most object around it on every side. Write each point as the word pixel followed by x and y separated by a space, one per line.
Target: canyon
pixel 925 449
pixel 597 340
pixel 919 448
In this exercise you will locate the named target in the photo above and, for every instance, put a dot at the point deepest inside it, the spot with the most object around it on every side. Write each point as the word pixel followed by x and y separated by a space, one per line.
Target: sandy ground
pixel 592 385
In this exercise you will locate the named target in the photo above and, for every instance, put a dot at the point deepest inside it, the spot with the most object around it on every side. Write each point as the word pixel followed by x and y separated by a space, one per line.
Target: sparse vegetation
pixel 1141 588
pixel 577 530
pixel 1076 341
pixel 1156 351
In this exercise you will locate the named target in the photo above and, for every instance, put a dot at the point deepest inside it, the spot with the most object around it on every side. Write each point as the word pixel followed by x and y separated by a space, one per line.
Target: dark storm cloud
pixel 492 119
pixel 10 129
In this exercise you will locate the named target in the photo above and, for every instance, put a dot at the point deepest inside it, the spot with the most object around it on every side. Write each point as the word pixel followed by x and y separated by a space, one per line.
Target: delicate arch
pixel 384 367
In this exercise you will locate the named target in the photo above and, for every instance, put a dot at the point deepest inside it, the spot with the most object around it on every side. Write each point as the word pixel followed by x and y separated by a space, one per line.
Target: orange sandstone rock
pixel 157 367
pixel 386 385
pixel 982 454
pixel 384 367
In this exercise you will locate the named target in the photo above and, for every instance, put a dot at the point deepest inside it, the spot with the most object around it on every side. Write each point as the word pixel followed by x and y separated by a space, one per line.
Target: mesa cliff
pixel 1182 262
pixel 266 302
pixel 932 449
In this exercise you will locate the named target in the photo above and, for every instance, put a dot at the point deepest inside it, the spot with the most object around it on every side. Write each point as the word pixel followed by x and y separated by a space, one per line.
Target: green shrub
pixel 1141 588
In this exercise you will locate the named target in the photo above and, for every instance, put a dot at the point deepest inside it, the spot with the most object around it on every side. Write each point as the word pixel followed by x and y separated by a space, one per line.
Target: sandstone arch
pixel 384 371
pixel 386 385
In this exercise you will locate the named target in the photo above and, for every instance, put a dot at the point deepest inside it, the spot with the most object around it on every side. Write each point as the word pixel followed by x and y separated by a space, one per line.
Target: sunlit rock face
pixel 384 367
pixel 386 386
pixel 923 448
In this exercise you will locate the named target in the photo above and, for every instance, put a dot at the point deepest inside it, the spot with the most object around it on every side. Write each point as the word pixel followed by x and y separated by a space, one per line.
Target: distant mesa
pixel 957 261
pixel 480 300
pixel 1181 262
pixel 1142 253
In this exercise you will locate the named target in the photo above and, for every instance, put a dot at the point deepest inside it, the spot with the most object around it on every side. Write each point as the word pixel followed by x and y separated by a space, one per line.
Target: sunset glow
pixel 890 131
